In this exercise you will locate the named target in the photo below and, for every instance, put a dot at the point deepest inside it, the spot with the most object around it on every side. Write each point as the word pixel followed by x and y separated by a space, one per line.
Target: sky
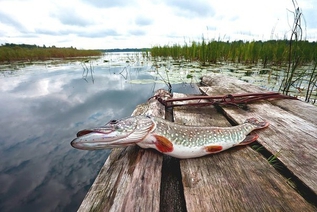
pixel 107 24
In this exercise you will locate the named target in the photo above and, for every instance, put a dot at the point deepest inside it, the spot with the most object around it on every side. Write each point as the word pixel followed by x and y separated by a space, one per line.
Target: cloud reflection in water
pixel 41 111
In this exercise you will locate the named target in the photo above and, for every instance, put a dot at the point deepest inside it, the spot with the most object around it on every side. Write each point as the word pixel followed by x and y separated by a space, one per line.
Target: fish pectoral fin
pixel 213 148
pixel 248 139
pixel 163 144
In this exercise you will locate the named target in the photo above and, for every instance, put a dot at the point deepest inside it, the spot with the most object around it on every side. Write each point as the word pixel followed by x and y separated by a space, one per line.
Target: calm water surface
pixel 42 108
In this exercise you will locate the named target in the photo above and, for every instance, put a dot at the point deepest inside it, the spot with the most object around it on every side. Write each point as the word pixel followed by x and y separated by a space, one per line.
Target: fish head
pixel 116 133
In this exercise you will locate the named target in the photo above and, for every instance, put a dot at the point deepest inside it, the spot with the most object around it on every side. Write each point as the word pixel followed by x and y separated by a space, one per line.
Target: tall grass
pixel 272 52
pixel 290 55
pixel 13 52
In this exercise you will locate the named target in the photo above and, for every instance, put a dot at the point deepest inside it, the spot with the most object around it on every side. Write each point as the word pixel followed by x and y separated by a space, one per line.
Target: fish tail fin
pixel 258 124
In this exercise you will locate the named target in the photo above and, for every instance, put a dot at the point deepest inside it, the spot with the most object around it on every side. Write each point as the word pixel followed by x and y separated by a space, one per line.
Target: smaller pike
pixel 169 138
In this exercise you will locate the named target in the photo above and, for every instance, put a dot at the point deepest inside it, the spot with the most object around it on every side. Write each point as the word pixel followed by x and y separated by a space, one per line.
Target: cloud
pixel 139 23
pixel 8 20
pixel 99 34
pixel 109 3
pixel 143 21
pixel 70 16
pixel 189 8
pixel 45 31
pixel 310 17
pixel 137 32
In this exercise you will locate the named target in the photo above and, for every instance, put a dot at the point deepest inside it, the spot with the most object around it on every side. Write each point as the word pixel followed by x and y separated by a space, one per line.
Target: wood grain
pixel 130 179
pixel 238 179
pixel 292 132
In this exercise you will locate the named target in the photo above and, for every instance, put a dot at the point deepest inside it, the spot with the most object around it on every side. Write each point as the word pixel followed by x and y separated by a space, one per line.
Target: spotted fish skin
pixel 193 136
pixel 197 141
pixel 167 137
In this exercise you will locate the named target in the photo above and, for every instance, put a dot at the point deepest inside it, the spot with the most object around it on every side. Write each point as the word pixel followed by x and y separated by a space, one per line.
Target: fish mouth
pixel 120 133
pixel 84 132
pixel 105 138
pixel 100 138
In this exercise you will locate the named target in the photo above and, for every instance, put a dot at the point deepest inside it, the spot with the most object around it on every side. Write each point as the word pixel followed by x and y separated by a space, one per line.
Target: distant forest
pixel 29 46
pixel 126 50
pixel 11 52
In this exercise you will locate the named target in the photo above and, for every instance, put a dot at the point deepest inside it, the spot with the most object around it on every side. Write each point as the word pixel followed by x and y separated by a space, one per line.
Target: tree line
pixel 26 52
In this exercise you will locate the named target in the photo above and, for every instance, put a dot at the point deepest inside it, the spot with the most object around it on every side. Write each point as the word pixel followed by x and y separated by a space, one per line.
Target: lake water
pixel 42 106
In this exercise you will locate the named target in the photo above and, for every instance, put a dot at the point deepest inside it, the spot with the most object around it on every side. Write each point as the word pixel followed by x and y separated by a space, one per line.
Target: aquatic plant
pixel 312 83
pixel 274 161
pixel 294 56
pixel 272 52
pixel 87 69
pixel 23 52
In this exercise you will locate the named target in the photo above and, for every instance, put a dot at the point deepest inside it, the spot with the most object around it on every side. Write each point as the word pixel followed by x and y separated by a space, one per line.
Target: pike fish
pixel 167 137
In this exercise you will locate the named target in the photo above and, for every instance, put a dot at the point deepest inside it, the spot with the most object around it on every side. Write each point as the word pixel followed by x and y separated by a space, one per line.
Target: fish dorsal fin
pixel 163 144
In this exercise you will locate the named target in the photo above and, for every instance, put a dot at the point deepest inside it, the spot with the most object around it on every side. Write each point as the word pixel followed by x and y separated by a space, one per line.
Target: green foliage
pixel 273 52
pixel 25 52
pixel 274 161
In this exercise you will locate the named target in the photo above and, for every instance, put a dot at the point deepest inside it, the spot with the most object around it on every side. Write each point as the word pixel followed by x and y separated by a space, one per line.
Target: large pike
pixel 169 138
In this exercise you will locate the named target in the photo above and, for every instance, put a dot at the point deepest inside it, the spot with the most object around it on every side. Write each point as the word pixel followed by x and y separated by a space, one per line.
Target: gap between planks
pixel 292 134
pixel 209 179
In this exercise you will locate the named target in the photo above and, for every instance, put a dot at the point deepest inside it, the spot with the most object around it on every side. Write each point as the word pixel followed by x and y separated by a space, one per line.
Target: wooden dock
pixel 239 179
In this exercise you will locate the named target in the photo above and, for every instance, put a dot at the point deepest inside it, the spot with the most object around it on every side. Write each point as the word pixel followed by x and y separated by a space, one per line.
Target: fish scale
pixel 181 141
pixel 193 136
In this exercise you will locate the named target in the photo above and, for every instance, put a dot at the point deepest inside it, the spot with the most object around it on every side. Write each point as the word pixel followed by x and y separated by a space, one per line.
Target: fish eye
pixel 113 121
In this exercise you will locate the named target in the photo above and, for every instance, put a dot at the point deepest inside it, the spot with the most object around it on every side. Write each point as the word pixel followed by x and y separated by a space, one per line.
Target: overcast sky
pixel 96 24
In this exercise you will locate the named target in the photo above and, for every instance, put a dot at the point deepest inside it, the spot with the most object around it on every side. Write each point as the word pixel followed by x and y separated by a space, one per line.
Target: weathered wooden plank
pixel 298 108
pixel 124 181
pixel 238 179
pixel 292 134
pixel 229 84
pixel 131 177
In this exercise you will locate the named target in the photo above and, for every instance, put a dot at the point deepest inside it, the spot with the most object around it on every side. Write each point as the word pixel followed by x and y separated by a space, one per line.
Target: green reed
pixel 272 52
pixel 13 52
